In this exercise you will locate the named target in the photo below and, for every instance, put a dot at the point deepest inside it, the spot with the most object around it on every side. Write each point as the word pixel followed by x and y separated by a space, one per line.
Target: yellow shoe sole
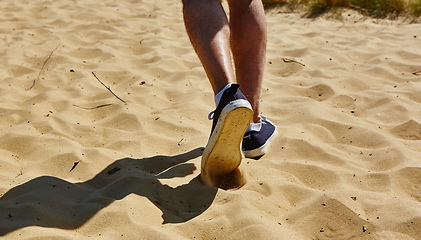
pixel 222 155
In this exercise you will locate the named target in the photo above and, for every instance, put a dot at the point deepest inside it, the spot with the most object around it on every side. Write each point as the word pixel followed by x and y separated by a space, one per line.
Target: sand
pixel 76 162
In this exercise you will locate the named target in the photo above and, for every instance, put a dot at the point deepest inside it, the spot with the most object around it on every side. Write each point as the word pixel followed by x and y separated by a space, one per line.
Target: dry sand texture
pixel 346 97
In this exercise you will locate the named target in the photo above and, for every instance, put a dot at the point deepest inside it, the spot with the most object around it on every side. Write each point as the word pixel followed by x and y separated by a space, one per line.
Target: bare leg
pixel 248 45
pixel 208 29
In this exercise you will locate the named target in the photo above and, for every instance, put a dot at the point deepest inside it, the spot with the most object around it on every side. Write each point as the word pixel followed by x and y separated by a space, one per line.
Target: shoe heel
pixel 232 180
pixel 222 156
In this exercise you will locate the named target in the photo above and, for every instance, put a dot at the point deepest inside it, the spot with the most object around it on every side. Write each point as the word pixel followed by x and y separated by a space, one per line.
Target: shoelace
pixel 210 115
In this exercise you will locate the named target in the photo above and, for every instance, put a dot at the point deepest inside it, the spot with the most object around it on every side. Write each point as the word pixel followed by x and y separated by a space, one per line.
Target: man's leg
pixel 248 45
pixel 209 31
pixel 207 26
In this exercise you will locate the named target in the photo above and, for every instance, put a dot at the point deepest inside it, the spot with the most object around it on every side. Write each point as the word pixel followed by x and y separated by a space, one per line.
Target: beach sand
pixel 76 162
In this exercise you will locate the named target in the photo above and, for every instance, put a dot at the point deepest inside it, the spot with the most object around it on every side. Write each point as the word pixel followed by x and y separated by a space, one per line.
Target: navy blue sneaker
pixel 257 139
pixel 231 119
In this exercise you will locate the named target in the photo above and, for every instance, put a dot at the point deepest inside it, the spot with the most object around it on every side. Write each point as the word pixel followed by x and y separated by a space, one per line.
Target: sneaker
pixel 231 119
pixel 257 139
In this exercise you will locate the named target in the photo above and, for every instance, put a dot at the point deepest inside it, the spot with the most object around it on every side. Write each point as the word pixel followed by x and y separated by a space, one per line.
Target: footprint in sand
pixel 408 181
pixel 343 101
pixel 410 130
pixel 320 92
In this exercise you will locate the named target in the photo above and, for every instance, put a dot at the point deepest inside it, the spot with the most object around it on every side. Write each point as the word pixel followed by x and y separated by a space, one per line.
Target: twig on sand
pixel 74 165
pixel 287 60
pixel 92 108
pixel 43 65
pixel 109 89
pixel 114 170
pixel 417 73
pixel 180 142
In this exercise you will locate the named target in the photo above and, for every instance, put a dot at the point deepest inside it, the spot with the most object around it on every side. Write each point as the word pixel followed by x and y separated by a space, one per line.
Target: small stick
pixel 114 170
pixel 92 108
pixel 287 60
pixel 108 88
pixel 417 73
pixel 180 142
pixel 74 165
pixel 43 65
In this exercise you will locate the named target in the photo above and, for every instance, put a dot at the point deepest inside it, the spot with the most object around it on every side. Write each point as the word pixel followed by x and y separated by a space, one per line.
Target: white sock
pixel 254 127
pixel 219 95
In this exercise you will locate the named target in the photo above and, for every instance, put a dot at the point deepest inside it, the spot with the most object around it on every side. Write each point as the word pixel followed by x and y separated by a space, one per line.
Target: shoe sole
pixel 259 152
pixel 223 153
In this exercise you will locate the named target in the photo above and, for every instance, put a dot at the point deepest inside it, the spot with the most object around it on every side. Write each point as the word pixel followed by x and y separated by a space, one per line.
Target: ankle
pixel 257 118
pixel 219 94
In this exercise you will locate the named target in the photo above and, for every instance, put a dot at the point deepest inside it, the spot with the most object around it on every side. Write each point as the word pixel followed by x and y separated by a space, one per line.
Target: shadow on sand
pixel 53 202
